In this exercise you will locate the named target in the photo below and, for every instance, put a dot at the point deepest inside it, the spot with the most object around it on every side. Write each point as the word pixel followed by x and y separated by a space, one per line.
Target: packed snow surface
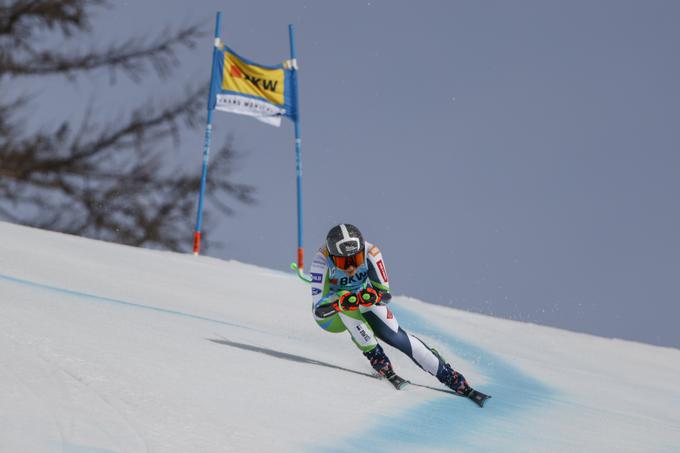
pixel 106 348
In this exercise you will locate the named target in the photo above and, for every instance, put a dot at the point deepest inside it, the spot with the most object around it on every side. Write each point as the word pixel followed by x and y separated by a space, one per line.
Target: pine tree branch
pixel 107 181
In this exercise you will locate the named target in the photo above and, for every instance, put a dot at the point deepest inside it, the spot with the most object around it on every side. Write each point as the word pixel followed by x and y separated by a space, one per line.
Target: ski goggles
pixel 344 262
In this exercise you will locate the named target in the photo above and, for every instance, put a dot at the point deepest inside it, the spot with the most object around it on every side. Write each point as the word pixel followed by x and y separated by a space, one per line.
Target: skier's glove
pixel 347 301
pixel 368 297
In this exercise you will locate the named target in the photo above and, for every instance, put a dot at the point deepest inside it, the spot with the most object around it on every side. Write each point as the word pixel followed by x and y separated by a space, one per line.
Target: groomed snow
pixel 106 348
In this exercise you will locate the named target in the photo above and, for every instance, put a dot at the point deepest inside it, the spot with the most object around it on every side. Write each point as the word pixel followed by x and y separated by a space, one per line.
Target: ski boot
pixel 456 382
pixel 381 364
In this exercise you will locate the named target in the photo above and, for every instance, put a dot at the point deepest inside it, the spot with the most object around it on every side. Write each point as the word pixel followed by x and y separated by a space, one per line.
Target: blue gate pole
pixel 298 157
pixel 206 146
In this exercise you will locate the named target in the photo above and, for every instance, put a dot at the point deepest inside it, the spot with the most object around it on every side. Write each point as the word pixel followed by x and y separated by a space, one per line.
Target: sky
pixel 518 159
pixel 103 367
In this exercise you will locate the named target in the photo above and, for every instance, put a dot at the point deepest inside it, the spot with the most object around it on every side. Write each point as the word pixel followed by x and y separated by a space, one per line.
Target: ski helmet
pixel 344 240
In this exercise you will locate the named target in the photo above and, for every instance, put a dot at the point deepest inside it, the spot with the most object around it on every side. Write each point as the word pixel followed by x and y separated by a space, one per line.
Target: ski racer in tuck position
pixel 350 291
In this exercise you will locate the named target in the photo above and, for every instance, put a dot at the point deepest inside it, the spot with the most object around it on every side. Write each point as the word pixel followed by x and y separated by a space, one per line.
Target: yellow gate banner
pixel 247 88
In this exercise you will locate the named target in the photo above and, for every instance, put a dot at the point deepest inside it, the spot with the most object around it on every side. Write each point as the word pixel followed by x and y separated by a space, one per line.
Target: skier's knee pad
pixel 328 319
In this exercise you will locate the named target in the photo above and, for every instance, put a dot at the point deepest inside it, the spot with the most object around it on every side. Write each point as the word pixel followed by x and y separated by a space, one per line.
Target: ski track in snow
pixel 97 412
pixel 103 299
pixel 450 422
pixel 434 424
pixel 61 377
pixel 58 398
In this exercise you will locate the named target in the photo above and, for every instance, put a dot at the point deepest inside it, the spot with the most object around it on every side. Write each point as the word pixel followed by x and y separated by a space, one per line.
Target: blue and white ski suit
pixel 367 324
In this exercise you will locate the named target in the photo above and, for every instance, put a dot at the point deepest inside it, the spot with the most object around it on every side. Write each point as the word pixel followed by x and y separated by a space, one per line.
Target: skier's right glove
pixel 346 302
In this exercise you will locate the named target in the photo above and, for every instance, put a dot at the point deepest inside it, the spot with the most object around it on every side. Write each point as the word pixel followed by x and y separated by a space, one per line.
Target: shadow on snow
pixel 307 360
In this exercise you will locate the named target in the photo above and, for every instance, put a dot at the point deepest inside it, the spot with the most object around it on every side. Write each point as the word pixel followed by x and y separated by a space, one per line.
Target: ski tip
pixel 478 398
pixel 403 385
pixel 397 382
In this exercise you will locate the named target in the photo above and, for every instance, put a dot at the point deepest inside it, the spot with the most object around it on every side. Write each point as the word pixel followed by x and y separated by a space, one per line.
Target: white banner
pixel 261 110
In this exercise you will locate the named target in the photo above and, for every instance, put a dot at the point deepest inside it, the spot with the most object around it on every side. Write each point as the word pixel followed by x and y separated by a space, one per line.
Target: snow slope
pixel 106 348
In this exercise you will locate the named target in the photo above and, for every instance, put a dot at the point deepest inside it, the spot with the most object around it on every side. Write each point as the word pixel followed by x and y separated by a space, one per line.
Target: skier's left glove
pixel 369 296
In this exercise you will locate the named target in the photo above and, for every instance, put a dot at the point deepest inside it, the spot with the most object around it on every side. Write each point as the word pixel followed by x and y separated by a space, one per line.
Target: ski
pixel 478 398
pixel 397 381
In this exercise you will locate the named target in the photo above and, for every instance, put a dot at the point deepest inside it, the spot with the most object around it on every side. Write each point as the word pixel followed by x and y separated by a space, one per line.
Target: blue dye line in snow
pixel 450 422
pixel 446 422
pixel 110 300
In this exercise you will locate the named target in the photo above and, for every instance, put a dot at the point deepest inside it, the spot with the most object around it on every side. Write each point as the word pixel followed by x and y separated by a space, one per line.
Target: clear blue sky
pixel 519 159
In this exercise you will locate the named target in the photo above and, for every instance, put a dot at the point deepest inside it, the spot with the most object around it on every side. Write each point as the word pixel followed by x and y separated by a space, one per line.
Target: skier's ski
pixel 478 398
pixel 397 381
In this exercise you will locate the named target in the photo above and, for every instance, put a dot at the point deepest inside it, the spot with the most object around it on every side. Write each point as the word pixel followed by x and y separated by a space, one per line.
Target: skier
pixel 350 291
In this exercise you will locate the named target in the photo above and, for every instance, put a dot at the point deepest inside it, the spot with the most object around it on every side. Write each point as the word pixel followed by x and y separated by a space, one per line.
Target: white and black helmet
pixel 344 240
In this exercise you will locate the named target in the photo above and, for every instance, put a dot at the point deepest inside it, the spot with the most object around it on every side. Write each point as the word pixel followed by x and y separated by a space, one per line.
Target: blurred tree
pixel 102 181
